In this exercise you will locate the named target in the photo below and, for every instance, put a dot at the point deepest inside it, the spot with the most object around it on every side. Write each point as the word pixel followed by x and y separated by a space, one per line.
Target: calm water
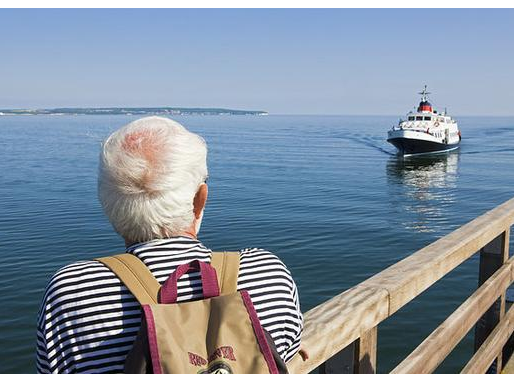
pixel 325 193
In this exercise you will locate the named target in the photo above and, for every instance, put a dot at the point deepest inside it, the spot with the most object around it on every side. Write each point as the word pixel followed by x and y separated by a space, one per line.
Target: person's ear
pixel 200 200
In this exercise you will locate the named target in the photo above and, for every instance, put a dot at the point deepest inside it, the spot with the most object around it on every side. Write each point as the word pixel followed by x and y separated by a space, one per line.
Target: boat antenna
pixel 424 94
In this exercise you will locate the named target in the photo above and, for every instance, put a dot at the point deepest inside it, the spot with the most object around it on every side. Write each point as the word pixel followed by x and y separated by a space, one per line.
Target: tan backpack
pixel 219 334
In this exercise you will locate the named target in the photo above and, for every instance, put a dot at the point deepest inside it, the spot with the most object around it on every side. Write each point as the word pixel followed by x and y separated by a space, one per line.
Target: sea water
pixel 327 194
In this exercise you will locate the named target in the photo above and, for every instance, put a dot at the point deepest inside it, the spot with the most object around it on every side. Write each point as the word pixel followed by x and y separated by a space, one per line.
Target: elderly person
pixel 152 187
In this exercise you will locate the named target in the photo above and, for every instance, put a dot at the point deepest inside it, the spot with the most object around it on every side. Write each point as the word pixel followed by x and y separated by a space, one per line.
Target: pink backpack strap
pixel 210 288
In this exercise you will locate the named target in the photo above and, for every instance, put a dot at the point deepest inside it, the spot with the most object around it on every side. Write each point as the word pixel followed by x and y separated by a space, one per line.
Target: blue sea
pixel 325 193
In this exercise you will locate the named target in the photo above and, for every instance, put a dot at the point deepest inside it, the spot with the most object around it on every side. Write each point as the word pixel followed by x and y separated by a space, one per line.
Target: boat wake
pixel 506 150
pixel 370 142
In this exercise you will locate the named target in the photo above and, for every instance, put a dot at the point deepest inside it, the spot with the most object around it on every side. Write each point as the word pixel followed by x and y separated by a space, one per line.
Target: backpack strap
pixel 227 270
pixel 135 275
pixel 142 284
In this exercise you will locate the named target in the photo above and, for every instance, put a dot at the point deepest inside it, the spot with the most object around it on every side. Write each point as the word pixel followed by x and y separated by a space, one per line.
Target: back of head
pixel 150 171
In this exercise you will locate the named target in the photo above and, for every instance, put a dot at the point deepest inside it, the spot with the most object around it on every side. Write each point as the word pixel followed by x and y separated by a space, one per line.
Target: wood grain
pixel 434 349
pixel 492 346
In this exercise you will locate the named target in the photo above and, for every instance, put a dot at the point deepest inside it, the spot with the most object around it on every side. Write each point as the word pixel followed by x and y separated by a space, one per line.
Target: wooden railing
pixel 340 335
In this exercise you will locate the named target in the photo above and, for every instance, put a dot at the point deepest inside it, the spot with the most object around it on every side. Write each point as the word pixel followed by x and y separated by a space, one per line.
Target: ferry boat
pixel 425 131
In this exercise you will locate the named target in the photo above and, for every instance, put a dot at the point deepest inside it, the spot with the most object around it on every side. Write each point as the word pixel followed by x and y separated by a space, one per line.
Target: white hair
pixel 149 173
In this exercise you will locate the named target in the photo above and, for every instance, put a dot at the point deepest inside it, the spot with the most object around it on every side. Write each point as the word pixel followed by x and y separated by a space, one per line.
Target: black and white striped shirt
pixel 89 320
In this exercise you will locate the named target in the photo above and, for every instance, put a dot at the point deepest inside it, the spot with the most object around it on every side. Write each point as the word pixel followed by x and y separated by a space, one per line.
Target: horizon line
pixel 35 109
pixel 278 114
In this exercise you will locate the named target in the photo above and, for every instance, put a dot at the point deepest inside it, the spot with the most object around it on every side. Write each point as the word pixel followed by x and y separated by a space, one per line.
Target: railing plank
pixel 492 346
pixel 411 276
pixel 338 322
pixel 434 349
pixel 335 324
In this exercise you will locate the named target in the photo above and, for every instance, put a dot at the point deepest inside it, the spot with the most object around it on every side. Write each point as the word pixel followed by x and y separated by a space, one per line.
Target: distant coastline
pixel 131 111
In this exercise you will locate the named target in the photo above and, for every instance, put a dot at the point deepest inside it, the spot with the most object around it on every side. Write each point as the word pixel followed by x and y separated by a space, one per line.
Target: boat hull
pixel 410 146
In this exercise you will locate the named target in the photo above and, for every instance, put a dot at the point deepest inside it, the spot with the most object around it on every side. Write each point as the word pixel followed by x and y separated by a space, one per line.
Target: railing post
pixel 492 257
pixel 360 357
pixel 508 350
pixel 366 356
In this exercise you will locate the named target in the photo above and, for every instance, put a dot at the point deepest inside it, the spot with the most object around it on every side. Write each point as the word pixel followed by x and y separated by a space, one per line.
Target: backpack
pixel 219 334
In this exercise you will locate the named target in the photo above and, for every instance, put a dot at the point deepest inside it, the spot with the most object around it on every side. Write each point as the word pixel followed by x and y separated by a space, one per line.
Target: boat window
pixel 419 118
pixel 428 118
pixel 411 118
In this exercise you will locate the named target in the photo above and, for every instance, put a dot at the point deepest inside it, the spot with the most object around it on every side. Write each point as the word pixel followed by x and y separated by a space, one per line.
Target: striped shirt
pixel 89 320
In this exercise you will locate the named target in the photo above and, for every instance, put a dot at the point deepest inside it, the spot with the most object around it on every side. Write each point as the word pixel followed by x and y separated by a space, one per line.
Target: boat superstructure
pixel 425 131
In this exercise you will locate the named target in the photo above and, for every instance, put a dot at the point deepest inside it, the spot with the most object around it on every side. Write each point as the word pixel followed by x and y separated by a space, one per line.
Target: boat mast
pixel 424 94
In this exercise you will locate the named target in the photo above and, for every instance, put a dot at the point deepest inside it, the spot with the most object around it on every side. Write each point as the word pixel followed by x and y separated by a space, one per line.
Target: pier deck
pixel 340 335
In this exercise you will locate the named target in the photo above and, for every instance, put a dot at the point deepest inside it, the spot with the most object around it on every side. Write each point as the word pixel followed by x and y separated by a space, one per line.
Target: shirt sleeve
pixel 295 345
pixel 275 297
pixel 42 364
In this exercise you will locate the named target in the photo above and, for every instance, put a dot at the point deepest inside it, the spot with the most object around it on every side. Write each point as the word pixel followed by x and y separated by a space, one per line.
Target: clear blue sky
pixel 282 61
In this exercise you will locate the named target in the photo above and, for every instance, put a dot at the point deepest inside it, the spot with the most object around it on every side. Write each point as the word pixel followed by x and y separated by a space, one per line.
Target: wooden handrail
pixel 341 320
pixel 492 346
pixel 434 349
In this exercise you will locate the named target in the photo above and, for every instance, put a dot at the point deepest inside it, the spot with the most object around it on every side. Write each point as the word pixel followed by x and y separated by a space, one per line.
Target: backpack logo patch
pixel 218 367
pixel 215 361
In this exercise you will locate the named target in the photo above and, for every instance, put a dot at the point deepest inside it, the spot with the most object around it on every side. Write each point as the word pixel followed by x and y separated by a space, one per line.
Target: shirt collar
pixel 165 242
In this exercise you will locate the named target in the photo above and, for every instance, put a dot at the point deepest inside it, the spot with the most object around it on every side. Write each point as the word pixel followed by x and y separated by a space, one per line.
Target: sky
pixel 284 61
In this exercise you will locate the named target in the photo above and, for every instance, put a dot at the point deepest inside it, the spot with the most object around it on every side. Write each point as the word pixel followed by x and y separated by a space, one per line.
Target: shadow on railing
pixel 340 335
